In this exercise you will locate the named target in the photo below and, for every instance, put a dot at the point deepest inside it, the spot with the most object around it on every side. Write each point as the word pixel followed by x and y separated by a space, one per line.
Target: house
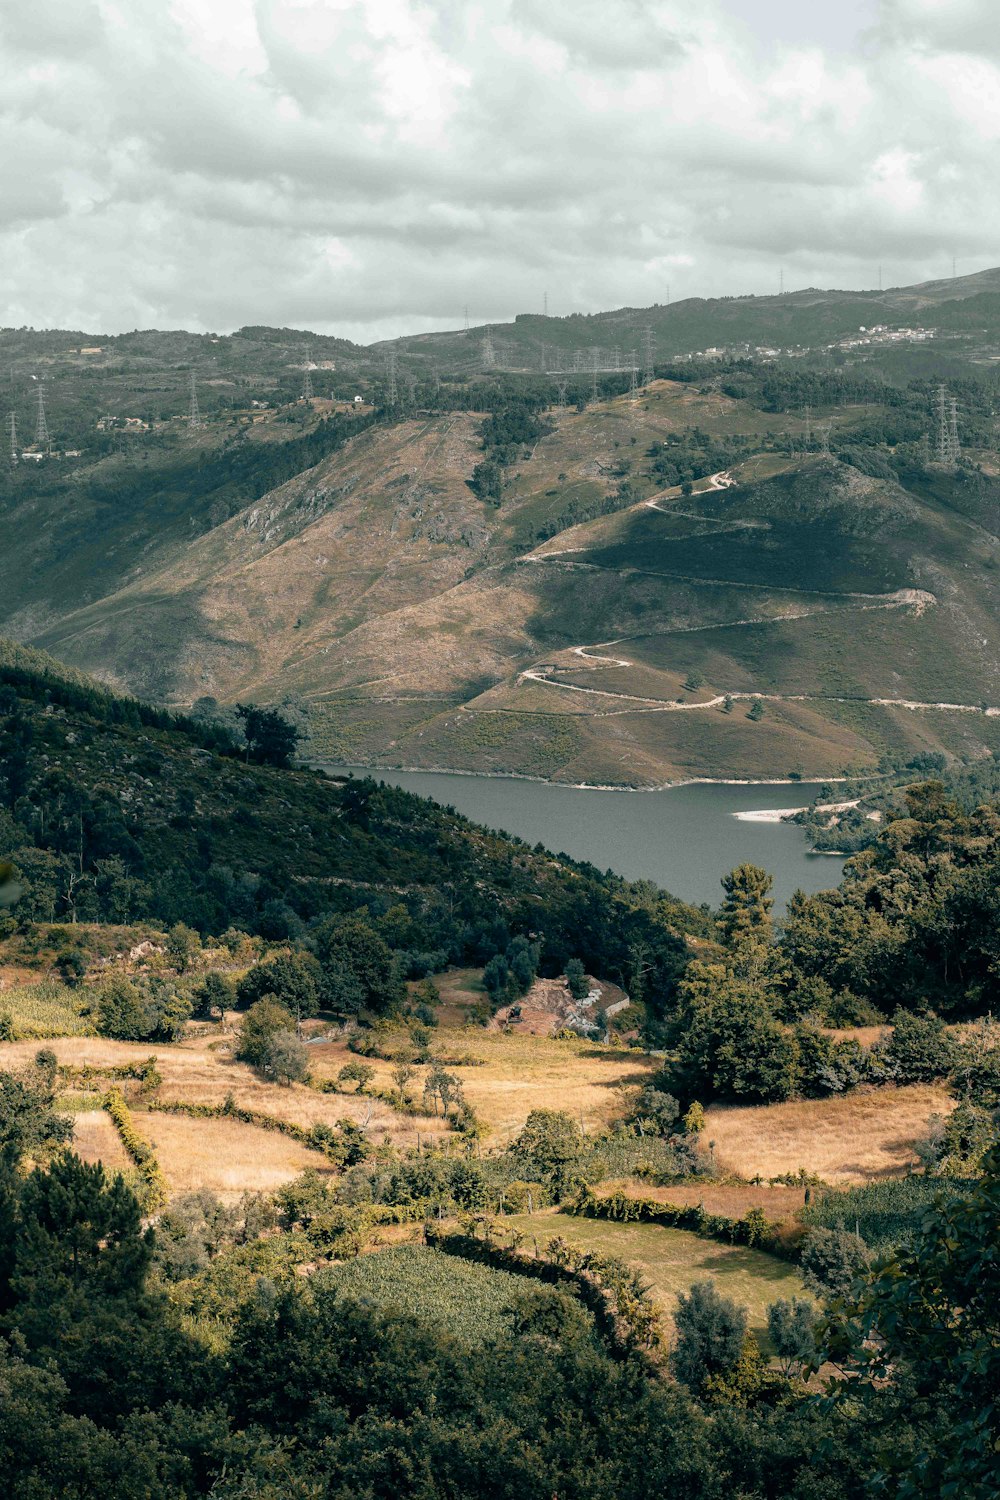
pixel 359 401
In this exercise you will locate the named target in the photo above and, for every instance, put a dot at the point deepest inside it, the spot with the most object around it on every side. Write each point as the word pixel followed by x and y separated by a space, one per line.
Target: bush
pixel 576 978
pixel 71 966
pixel 121 1011
pixel 920 1048
pixel 293 979
pixel 792 1326
pixel 710 1333
pixel 261 1024
pixel 214 996
pixel 183 945
pixel 832 1260
pixel 287 1058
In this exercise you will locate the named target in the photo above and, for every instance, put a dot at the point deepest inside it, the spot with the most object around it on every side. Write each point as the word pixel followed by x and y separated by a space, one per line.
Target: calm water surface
pixel 684 838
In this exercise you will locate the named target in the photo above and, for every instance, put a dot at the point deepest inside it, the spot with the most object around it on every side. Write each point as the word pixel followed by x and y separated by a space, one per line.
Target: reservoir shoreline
pixel 685 837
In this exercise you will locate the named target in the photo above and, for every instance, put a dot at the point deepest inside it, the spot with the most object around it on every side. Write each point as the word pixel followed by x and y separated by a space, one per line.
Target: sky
pixel 373 167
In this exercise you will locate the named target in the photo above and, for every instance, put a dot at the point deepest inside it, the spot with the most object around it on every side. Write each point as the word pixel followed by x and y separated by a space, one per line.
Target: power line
pixel 488 350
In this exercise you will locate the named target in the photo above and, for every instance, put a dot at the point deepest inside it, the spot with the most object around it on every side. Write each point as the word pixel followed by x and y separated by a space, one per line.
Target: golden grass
pixel 849 1139
pixel 195 1074
pixel 224 1156
pixel 522 1073
pixel 96 1139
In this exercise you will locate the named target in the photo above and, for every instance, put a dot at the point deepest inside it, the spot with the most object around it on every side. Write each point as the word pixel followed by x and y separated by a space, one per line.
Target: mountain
pixel 423 625
pixel 749 568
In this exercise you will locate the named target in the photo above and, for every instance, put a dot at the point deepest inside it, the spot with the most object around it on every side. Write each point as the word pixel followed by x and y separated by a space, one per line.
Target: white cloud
pixel 370 166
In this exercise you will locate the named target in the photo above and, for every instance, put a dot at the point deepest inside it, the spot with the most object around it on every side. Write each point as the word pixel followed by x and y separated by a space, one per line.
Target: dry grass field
pixel 194 1073
pixel 517 1074
pixel 849 1139
pixel 224 1156
pixel 733 1199
pixel 96 1139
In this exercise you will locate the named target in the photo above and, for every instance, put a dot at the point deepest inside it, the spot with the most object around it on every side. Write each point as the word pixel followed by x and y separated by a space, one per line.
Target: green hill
pixel 113 811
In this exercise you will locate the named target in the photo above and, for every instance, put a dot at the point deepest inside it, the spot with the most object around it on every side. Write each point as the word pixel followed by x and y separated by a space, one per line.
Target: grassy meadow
pixel 671 1260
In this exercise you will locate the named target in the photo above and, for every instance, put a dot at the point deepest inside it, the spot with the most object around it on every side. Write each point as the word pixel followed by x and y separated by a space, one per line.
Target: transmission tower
pixel 194 415
pixel 466 317
pixel 826 428
pixel 307 385
pixel 562 393
pixel 489 352
pixel 807 435
pixel 647 356
pixel 13 439
pixel 391 394
pixel 595 357
pixel 42 435
pixel 947 443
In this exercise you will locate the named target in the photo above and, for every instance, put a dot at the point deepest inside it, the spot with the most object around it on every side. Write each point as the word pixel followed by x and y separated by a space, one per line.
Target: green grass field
pixel 673 1259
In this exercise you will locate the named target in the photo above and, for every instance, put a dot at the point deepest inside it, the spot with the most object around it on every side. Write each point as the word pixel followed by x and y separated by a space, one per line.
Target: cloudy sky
pixel 371 167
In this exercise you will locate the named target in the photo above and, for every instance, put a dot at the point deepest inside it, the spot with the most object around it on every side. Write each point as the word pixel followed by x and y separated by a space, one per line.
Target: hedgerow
pixel 154 1183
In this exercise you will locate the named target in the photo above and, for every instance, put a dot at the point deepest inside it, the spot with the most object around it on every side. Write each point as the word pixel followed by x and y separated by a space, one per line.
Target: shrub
pixel 293 979
pixel 920 1048
pixel 356 1072
pixel 576 978
pixel 121 1011
pixel 71 966
pixel 214 996
pixel 832 1260
pixel 183 945
pixel 792 1326
pixel 287 1058
pixel 261 1024
pixel 710 1333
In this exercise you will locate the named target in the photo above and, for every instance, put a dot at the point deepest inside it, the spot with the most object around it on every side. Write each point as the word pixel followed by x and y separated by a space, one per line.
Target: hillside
pixel 964 307
pixel 111 810
pixel 550 629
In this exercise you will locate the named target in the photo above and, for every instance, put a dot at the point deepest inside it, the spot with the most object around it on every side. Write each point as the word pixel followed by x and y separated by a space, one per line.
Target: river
pixel 685 838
